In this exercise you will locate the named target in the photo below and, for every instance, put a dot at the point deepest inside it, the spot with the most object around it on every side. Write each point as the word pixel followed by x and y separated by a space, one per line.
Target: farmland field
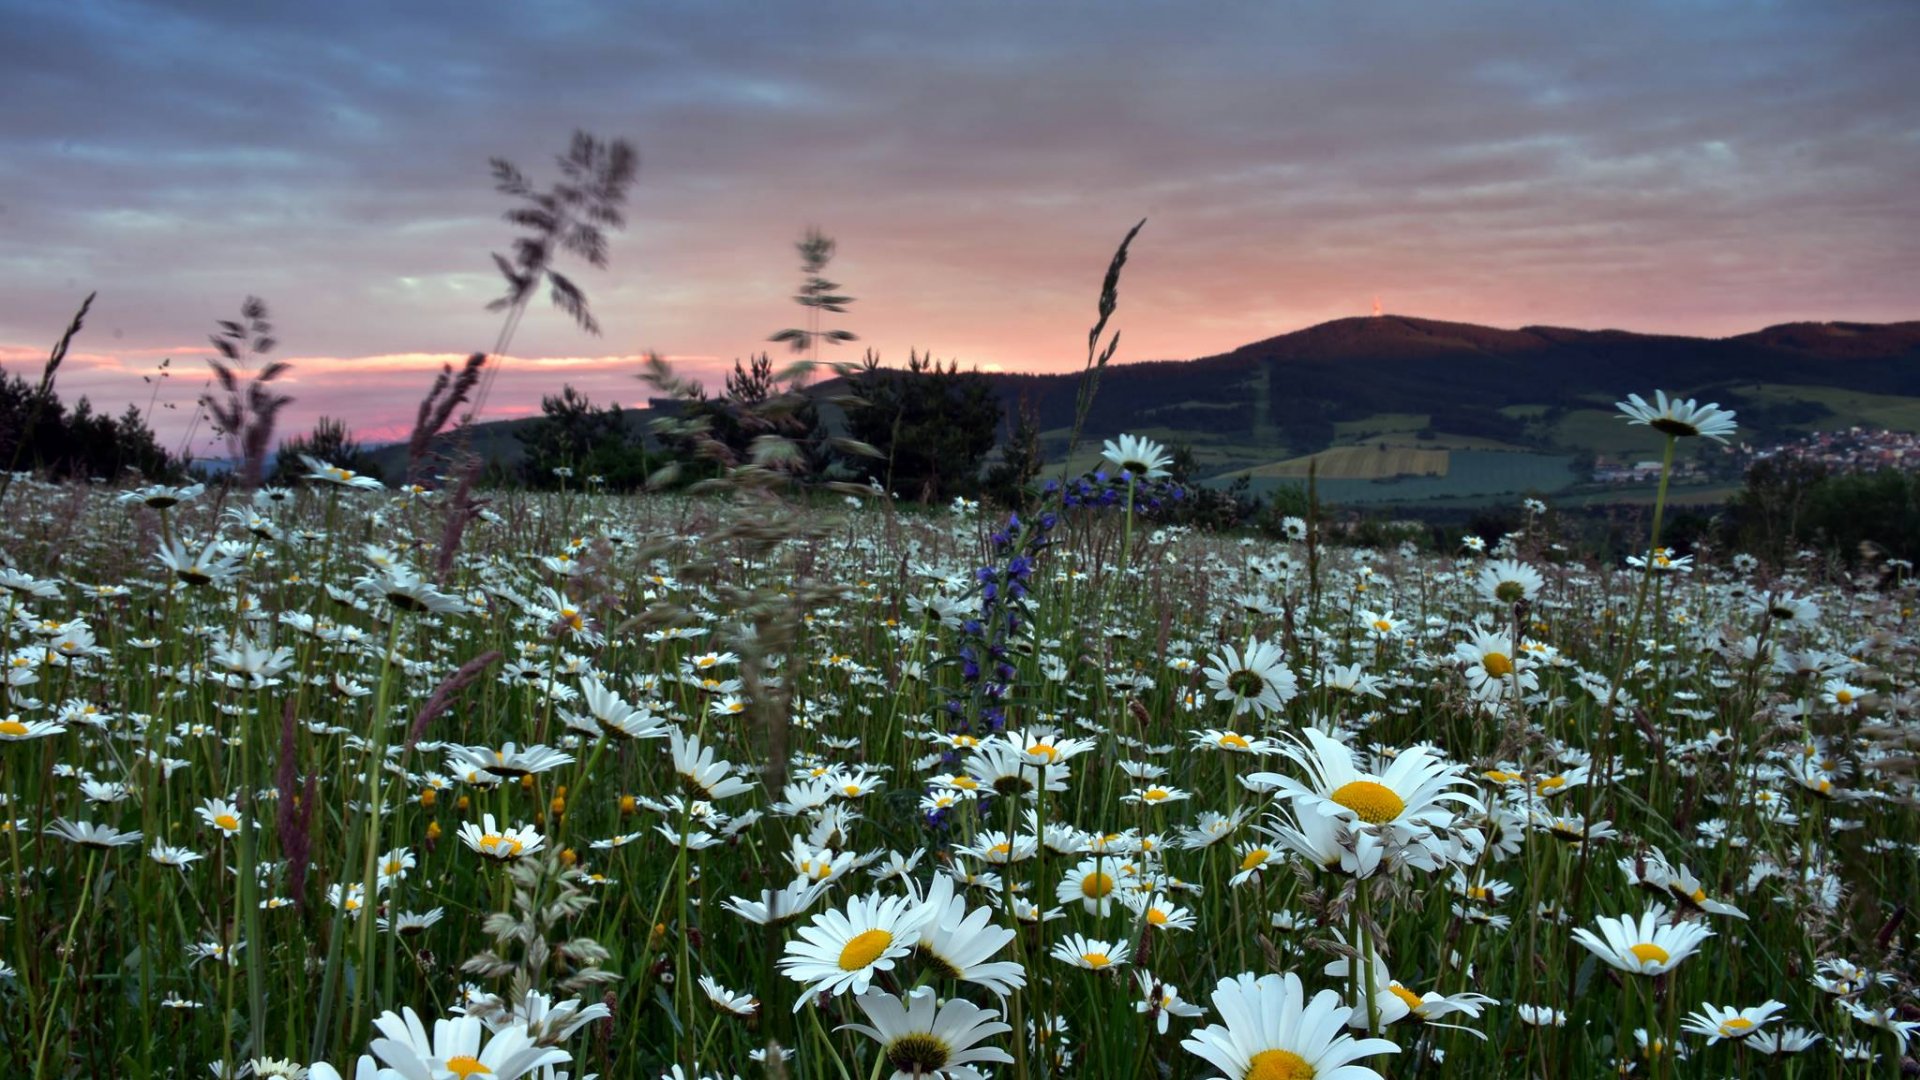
pixel 686 785
pixel 1358 463
pixel 1486 474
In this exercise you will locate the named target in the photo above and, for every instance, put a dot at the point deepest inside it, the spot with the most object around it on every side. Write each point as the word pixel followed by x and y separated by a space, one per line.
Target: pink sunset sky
pixel 1690 167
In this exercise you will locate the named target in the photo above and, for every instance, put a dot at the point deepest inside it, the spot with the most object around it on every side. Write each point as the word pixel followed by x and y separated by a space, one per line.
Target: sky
pixel 1688 167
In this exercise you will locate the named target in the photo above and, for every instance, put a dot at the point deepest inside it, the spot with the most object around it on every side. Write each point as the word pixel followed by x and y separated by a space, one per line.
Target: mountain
pixel 1483 394
pixel 1296 389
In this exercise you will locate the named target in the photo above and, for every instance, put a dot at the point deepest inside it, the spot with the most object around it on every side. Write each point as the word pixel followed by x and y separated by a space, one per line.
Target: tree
pixel 932 425
pixel 1009 479
pixel 584 439
pixel 330 442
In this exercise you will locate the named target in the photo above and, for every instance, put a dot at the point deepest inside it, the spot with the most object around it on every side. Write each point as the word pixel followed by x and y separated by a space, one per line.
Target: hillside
pixel 1475 392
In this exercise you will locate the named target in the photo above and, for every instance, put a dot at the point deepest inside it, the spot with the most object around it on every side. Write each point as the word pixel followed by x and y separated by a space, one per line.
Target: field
pixel 1358 463
pixel 1486 475
pixel 686 785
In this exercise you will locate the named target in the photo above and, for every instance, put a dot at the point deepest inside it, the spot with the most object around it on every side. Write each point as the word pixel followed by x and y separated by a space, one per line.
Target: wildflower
pixel 1646 946
pixel 1092 954
pixel 1726 1022
pixel 959 943
pixel 837 952
pixel 1138 458
pixel 739 1006
pixel 1160 1001
pixel 1678 419
pixel 490 840
pixel 322 472
pixel 455 1049
pixel 220 814
pixel 1509 581
pixel 1256 679
pixel 921 1039
pixel 1272 1032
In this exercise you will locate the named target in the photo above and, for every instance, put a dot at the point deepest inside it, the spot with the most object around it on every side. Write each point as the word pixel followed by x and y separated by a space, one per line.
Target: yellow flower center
pixel 12 727
pixel 1156 794
pixel 1735 1024
pixel 1376 803
pixel 1045 751
pixel 1552 783
pixel 467 1065
pixel 1096 960
pixel 1382 625
pixel 1095 885
pixel 864 948
pixel 1649 953
pixel 1156 916
pixel 1497 665
pixel 1238 742
pixel 227 822
pixel 1412 999
pixel 1844 697
pixel 1254 858
pixel 1278 1065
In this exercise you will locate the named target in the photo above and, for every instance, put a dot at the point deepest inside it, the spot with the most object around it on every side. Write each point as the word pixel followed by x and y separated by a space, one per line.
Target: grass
pixel 615 719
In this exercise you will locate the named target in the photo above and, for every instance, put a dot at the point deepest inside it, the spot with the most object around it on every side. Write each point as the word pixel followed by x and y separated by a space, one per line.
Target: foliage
pixel 817 295
pixel 1009 480
pixel 575 440
pixel 1789 503
pixel 246 409
pixel 932 425
pixel 568 217
pixel 77 443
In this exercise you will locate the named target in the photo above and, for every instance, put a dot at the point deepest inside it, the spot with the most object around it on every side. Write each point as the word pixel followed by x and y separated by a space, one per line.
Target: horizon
pixel 1505 166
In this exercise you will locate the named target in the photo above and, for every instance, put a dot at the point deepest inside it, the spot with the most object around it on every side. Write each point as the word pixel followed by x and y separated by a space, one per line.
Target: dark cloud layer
pixel 1690 166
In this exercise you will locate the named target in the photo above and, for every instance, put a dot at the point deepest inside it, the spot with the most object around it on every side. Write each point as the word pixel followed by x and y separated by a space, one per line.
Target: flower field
pixel 315 783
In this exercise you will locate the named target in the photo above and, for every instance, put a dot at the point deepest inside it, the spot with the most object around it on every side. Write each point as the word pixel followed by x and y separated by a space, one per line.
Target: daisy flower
pixel 1493 666
pixel 455 1049
pixel 920 1039
pixel 739 1006
pixel 1402 802
pixel 700 774
pixel 960 944
pixel 489 839
pixel 1509 581
pixel 1138 458
pixel 1155 910
pixel 14 729
pixel 1160 1001
pixel 837 953
pixel 1091 882
pixel 1645 946
pixel 1726 1022
pixel 87 834
pixel 1092 954
pixel 1677 418
pixel 1272 1032
pixel 1256 679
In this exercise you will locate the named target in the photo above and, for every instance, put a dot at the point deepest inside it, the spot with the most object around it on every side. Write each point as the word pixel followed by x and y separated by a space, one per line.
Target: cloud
pixel 1703 167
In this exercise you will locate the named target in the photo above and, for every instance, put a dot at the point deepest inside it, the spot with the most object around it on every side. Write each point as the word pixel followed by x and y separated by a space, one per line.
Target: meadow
pixel 333 781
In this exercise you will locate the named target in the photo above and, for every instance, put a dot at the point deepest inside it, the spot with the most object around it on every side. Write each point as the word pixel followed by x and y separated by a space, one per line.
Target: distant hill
pixel 1398 381
pixel 1294 389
